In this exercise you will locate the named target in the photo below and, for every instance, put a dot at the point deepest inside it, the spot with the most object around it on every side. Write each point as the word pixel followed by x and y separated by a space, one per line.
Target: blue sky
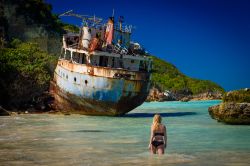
pixel 204 39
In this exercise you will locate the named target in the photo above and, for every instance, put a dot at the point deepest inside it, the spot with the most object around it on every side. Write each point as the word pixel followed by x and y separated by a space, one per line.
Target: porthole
pixel 75 79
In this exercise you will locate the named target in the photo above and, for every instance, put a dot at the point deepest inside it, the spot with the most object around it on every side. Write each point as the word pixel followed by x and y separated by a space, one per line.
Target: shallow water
pixel 193 138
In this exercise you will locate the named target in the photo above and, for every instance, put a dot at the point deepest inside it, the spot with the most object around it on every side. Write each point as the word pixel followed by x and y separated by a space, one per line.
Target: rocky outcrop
pixel 21 24
pixel 40 104
pixel 231 113
pixel 156 95
pixel 207 96
pixel 235 108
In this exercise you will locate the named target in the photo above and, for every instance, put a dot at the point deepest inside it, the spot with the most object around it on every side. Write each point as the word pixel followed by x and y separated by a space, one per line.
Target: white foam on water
pixel 18 118
pixel 58 139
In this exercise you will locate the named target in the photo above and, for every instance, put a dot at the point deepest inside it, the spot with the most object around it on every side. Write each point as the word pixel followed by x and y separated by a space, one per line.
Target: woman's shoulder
pixel 163 126
pixel 152 127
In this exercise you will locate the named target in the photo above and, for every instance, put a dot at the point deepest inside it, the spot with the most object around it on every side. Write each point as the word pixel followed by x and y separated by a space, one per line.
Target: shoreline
pixel 17 112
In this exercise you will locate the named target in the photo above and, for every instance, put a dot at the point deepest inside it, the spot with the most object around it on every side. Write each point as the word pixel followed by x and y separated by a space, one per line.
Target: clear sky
pixel 204 39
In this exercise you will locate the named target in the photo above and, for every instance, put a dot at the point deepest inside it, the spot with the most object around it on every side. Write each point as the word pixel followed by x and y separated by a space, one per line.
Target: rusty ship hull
pixel 95 90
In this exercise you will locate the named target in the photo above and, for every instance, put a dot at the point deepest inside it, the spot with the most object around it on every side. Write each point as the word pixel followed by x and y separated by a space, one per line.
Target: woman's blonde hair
pixel 156 122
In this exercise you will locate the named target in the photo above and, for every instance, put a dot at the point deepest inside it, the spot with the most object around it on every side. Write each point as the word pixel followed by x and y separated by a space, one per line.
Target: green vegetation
pixel 70 28
pixel 25 72
pixel 238 96
pixel 38 12
pixel 166 76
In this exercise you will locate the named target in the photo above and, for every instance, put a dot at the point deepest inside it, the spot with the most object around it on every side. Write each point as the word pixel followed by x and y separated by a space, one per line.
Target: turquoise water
pixel 193 138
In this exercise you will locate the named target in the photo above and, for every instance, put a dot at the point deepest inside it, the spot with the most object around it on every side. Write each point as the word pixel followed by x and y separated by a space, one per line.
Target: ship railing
pixel 123 28
pixel 133 54
pixel 73 45
pixel 117 48
pixel 124 51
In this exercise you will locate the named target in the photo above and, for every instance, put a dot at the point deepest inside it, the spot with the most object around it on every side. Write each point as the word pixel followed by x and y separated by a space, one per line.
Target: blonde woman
pixel 158 137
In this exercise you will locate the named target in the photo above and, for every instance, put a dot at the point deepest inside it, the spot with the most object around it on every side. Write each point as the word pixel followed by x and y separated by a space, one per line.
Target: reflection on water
pixel 193 138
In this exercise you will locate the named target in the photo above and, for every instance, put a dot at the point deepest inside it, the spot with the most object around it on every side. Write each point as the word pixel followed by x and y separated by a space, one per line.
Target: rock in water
pixel 231 113
pixel 235 108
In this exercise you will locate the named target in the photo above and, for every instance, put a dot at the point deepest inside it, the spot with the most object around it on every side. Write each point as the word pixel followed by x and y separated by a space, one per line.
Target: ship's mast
pixel 113 14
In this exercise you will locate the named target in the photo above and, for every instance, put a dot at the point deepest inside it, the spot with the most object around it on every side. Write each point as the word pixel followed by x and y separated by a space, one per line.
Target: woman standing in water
pixel 158 137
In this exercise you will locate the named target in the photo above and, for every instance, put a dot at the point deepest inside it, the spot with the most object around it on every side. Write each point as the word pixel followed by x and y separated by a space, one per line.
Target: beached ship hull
pixel 94 90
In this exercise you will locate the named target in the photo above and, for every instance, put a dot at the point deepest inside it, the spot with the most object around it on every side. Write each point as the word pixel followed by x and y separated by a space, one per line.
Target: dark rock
pixel 4 112
pixel 43 102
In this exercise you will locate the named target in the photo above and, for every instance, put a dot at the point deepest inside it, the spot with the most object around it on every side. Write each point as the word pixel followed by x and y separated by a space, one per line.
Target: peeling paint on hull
pixel 98 92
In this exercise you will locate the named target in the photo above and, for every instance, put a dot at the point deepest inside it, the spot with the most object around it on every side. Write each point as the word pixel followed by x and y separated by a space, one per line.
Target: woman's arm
pixel 151 137
pixel 165 136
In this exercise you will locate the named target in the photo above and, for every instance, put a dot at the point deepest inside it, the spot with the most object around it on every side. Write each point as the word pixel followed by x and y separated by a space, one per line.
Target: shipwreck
pixel 100 70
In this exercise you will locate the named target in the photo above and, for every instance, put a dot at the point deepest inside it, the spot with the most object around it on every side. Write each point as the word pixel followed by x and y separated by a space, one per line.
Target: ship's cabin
pixel 117 56
pixel 110 60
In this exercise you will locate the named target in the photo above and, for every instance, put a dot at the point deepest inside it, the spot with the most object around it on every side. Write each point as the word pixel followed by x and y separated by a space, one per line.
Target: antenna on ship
pixel 113 14
pixel 121 20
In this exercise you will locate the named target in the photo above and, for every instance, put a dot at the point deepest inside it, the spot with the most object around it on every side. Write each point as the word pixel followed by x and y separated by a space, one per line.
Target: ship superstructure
pixel 100 71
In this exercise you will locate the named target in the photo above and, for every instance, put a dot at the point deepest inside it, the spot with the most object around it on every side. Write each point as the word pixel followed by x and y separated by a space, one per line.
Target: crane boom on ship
pixel 85 18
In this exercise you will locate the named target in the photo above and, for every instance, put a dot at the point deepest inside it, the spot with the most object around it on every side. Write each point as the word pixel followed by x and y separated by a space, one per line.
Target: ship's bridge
pixel 107 59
